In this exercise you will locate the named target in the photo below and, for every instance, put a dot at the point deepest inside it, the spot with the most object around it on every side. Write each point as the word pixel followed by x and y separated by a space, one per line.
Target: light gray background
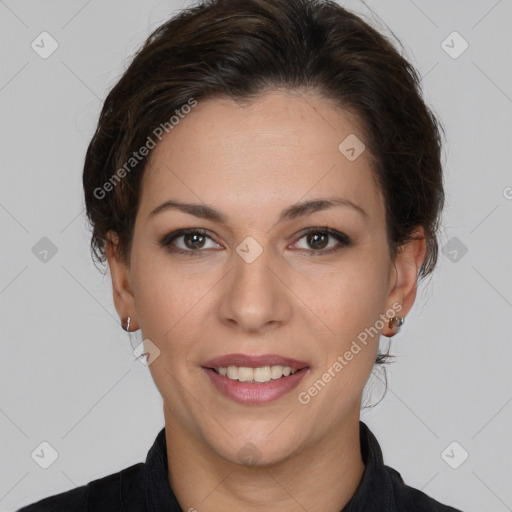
pixel 67 372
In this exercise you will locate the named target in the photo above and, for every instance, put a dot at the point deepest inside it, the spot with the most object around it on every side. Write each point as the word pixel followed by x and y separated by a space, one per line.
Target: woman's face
pixel 252 286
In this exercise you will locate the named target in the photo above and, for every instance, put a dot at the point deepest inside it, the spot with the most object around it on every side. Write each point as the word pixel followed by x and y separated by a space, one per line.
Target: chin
pixel 258 450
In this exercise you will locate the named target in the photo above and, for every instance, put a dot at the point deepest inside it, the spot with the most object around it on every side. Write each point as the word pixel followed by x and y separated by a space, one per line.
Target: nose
pixel 255 297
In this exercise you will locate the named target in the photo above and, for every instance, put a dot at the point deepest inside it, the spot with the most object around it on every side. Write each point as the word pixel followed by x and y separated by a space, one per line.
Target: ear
pixel 121 282
pixel 404 276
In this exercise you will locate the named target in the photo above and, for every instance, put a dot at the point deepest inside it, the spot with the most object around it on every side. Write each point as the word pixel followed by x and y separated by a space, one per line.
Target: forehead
pixel 281 147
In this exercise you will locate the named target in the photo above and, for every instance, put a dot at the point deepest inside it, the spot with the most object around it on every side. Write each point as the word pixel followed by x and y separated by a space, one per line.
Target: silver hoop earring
pixel 397 322
pixel 128 320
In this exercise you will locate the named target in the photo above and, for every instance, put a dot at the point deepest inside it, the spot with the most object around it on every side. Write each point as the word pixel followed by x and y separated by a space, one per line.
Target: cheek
pixel 350 304
pixel 350 299
pixel 170 307
pixel 158 288
pixel 167 316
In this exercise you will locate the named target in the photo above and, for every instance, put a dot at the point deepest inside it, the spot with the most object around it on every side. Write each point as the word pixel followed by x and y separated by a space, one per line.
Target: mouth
pixel 256 369
pixel 255 379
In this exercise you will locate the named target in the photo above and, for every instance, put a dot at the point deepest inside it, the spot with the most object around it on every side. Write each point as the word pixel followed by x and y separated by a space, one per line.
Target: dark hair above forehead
pixel 242 48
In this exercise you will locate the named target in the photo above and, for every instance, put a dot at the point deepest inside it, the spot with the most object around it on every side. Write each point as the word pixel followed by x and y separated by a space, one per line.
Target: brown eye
pixel 319 238
pixel 193 240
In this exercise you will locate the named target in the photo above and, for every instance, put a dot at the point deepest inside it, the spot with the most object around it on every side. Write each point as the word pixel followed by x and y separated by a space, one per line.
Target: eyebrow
pixel 292 212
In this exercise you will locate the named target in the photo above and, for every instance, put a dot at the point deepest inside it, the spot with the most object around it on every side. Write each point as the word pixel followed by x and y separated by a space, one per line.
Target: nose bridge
pixel 253 263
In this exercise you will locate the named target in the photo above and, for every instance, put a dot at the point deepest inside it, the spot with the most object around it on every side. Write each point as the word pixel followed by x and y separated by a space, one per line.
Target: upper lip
pixel 254 361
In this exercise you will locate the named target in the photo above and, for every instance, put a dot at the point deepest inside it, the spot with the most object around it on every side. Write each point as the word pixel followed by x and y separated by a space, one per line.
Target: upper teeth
pixel 260 374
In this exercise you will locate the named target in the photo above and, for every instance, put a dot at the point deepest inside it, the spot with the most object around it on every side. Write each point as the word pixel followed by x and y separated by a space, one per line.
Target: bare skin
pixel 250 163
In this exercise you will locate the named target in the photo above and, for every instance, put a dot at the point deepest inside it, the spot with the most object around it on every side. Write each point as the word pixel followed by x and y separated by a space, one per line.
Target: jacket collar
pixel 375 491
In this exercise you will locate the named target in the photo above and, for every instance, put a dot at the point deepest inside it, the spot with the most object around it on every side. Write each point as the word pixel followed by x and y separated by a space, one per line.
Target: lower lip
pixel 256 393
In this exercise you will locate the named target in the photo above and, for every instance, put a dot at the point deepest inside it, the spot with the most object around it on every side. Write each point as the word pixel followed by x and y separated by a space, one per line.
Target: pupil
pixel 194 236
pixel 315 237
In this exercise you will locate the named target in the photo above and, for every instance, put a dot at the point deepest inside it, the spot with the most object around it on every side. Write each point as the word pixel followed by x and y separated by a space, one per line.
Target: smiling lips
pixel 254 361
pixel 255 380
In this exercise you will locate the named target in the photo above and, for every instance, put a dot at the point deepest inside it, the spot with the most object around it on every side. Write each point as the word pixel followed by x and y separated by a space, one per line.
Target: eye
pixel 318 238
pixel 193 240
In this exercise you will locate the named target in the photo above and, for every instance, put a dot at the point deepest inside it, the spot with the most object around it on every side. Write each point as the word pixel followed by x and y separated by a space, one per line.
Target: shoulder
pixel 102 494
pixel 382 488
pixel 408 498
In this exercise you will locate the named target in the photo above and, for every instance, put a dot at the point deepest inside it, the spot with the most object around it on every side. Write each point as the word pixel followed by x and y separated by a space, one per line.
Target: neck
pixel 322 476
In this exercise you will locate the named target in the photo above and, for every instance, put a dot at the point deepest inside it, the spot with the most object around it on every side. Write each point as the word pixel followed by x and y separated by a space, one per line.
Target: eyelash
pixel 343 241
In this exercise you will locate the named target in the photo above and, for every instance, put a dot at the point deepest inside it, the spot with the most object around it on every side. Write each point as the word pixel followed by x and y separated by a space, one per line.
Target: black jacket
pixel 144 487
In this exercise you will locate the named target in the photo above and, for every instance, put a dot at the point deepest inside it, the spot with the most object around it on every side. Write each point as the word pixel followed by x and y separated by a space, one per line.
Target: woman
pixel 266 186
